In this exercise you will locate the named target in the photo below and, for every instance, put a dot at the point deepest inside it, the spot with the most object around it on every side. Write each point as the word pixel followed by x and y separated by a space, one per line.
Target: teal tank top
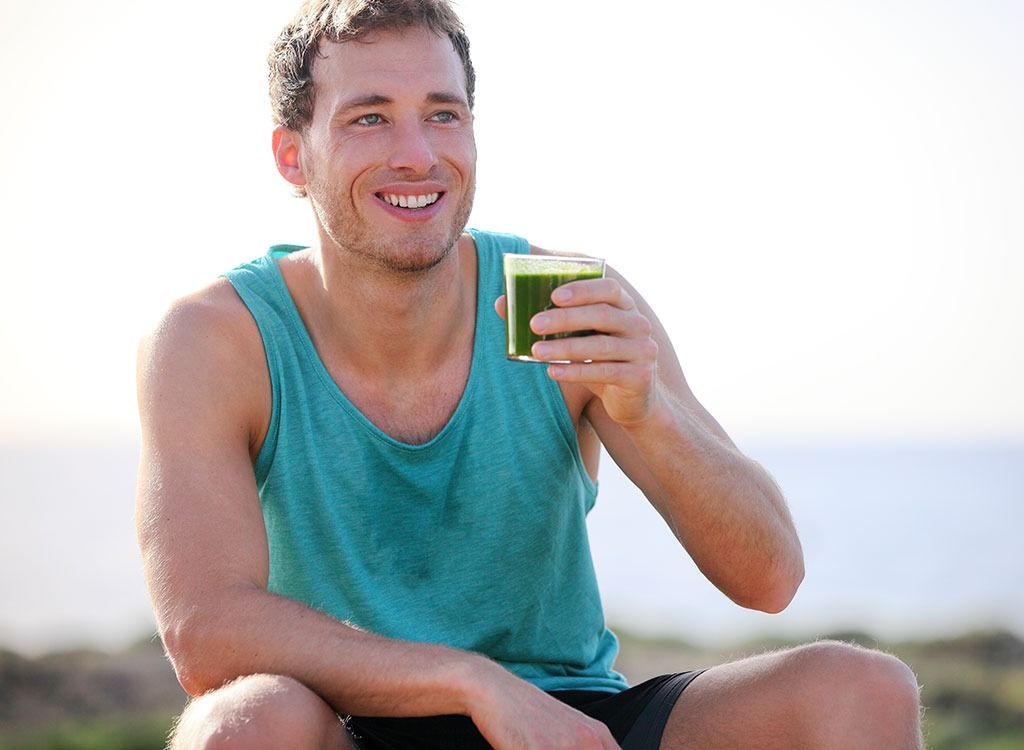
pixel 476 539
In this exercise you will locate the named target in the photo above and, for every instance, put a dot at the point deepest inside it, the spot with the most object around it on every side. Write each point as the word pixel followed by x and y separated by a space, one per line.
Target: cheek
pixel 465 158
pixel 339 179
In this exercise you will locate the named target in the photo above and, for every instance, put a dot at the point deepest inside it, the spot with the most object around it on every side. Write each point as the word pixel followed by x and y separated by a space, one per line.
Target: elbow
pixel 774 589
pixel 782 576
pixel 779 595
pixel 781 586
pixel 191 648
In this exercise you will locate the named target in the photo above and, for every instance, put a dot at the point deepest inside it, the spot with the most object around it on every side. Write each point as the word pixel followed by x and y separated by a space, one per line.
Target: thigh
pixel 260 711
pixel 824 694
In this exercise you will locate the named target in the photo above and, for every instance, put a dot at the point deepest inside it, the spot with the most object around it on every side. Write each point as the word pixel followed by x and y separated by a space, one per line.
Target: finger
pixel 501 307
pixel 593 291
pixel 597 317
pixel 602 737
pixel 609 741
pixel 597 348
pixel 629 377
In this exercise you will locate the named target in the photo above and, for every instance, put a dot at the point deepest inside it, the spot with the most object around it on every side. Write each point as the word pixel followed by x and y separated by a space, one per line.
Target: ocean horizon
pixel 903 540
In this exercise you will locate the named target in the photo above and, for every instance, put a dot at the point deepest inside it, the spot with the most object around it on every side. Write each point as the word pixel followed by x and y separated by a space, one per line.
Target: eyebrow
pixel 378 100
pixel 371 100
pixel 446 97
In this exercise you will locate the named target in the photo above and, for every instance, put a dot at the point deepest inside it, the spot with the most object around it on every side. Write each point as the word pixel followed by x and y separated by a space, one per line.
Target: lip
pixel 414 191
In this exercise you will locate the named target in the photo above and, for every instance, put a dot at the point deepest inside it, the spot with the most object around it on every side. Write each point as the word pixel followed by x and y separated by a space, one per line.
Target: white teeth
pixel 410 201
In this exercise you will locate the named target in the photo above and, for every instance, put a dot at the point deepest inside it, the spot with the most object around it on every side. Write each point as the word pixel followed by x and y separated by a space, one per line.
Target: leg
pixel 260 711
pixel 822 695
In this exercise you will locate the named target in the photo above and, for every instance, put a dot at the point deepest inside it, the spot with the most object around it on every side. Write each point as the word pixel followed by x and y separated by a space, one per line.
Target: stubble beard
pixel 410 256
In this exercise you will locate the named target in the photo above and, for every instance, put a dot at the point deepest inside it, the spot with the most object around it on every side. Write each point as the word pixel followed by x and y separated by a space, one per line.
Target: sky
pixel 822 200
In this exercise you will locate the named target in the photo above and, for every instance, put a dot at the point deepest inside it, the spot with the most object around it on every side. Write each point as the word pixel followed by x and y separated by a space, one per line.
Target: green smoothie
pixel 529 281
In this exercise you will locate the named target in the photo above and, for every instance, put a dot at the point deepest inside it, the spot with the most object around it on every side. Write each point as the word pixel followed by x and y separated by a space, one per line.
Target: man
pixel 363 527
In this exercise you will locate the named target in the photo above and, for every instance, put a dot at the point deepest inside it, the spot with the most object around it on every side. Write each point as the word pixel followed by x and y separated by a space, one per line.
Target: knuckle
pixel 646 327
pixel 650 349
pixel 639 378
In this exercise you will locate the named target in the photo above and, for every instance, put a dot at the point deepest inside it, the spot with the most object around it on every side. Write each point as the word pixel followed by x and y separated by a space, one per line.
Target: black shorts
pixel 636 718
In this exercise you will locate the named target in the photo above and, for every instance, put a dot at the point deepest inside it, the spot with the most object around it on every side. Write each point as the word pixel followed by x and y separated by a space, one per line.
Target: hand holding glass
pixel 529 281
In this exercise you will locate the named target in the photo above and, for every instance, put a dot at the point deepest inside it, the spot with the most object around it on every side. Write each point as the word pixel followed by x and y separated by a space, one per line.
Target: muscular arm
pixel 204 400
pixel 723 507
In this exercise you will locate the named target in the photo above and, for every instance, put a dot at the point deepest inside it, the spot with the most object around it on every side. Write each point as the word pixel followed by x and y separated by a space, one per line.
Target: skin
pixel 391 119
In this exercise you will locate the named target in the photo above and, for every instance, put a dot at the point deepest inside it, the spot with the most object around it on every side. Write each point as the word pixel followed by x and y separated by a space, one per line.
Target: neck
pixel 388 320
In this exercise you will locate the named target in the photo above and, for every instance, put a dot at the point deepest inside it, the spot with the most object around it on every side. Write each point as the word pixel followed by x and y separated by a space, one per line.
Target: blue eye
pixel 370 120
pixel 445 117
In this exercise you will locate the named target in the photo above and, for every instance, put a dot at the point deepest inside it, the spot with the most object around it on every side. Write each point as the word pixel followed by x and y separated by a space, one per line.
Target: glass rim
pixel 528 259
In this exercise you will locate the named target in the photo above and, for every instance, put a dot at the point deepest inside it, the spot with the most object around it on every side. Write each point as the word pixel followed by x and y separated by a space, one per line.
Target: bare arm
pixel 204 400
pixel 723 507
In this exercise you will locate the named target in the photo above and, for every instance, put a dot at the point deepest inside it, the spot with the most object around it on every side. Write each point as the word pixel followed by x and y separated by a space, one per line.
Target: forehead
pixel 393 64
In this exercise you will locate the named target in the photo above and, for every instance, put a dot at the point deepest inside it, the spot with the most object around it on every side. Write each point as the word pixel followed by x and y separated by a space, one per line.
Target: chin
pixel 415 256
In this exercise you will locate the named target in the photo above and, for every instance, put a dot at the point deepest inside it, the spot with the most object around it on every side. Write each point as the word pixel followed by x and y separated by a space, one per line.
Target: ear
pixel 287 146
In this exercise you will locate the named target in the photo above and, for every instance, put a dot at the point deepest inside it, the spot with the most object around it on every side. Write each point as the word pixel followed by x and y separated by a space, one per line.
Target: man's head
pixel 387 156
pixel 294 54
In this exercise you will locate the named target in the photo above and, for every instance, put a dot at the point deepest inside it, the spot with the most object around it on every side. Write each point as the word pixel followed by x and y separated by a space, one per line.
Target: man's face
pixel 389 157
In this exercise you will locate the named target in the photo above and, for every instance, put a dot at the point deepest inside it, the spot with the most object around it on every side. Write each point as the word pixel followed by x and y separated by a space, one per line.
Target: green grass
pixel 132 734
pixel 972 690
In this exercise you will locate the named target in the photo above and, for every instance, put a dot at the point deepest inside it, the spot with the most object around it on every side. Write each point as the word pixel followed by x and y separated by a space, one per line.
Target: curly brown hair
pixel 297 47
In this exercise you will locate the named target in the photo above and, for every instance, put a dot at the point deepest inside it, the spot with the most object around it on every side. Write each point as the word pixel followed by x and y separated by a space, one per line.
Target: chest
pixel 411 408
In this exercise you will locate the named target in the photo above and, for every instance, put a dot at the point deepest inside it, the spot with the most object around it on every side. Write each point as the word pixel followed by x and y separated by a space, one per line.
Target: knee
pixel 855 686
pixel 869 675
pixel 258 711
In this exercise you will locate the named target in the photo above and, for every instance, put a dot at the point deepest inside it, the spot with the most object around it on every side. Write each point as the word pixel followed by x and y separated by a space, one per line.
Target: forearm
pixel 724 508
pixel 249 631
pixel 365 675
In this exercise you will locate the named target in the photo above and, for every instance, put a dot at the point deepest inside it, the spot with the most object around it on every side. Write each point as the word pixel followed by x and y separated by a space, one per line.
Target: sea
pixel 902 540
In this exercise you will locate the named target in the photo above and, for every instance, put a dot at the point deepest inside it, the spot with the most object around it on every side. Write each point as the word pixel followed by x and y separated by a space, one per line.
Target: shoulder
pixel 204 357
pixel 211 320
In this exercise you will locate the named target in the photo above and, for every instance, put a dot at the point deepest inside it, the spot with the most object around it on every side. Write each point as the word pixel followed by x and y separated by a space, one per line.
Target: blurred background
pixel 822 200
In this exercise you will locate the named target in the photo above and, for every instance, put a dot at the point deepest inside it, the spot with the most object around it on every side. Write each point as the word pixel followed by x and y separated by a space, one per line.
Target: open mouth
pixel 410 201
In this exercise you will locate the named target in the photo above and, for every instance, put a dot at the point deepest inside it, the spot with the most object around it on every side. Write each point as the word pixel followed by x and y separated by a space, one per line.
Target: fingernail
pixel 539 322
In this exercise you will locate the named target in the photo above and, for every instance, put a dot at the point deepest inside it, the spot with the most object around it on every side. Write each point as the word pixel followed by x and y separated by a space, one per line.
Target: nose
pixel 412 150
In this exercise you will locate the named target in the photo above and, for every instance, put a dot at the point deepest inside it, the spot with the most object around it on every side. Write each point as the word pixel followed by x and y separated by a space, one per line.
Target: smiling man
pixel 390 183
pixel 363 527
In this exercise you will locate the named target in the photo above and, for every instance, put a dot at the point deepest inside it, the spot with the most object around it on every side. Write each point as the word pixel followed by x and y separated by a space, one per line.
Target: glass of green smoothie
pixel 529 281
